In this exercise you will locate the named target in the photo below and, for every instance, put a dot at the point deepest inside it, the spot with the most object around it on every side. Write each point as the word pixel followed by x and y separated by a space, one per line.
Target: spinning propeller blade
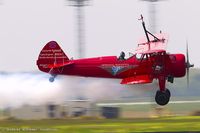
pixel 188 65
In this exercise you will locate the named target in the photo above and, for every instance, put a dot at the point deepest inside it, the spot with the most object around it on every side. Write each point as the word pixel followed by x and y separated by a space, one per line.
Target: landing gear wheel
pixel 168 93
pixel 162 98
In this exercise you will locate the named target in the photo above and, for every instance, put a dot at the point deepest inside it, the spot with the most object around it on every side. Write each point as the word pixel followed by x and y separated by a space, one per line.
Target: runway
pixel 144 103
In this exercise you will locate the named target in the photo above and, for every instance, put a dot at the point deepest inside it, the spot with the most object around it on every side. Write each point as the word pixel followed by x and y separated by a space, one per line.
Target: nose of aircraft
pixel 179 67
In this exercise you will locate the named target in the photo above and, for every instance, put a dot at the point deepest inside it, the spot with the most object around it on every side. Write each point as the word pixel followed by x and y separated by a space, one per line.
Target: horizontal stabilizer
pixel 141 79
pixel 60 65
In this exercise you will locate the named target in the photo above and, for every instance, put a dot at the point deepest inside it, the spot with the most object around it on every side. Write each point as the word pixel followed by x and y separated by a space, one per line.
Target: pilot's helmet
pixel 122 54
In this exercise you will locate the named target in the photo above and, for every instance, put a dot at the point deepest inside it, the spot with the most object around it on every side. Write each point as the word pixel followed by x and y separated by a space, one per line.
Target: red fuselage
pixel 112 67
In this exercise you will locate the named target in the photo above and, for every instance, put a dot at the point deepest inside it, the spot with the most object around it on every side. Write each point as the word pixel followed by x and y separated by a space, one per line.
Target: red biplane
pixel 150 61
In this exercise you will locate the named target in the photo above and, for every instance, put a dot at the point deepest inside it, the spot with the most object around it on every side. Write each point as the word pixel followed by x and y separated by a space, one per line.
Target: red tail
pixel 51 55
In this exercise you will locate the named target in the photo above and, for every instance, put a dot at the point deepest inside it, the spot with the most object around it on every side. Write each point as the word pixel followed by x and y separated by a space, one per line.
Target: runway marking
pixel 145 103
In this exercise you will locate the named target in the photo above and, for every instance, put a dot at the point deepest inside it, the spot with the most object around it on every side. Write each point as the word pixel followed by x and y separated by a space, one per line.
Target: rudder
pixel 51 55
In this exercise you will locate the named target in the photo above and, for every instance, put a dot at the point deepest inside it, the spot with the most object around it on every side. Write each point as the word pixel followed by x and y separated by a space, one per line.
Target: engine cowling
pixel 178 68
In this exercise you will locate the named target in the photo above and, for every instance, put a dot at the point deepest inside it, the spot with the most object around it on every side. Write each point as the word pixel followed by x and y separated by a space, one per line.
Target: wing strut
pixel 147 32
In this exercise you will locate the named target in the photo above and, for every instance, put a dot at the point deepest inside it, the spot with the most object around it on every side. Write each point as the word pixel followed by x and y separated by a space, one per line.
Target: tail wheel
pixel 52 78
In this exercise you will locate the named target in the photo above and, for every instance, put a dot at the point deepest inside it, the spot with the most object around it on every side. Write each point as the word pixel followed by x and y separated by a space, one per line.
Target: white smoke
pixel 17 89
pixel 96 89
pixel 91 88
pixel 28 88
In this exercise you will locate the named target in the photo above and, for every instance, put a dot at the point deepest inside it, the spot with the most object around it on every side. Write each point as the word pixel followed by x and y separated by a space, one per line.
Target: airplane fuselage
pixel 112 67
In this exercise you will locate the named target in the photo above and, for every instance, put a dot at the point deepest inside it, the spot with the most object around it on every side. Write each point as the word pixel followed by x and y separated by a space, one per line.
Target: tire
pixel 168 93
pixel 162 98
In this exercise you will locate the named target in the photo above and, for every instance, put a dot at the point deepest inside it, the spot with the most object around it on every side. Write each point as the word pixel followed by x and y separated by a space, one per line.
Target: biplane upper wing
pixel 152 51
pixel 154 45
pixel 140 79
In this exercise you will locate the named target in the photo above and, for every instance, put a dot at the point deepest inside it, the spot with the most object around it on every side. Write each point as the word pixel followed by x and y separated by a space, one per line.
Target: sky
pixel 111 26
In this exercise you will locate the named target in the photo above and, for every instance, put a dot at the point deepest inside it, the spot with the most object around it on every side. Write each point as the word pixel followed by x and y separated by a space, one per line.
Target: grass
pixel 165 124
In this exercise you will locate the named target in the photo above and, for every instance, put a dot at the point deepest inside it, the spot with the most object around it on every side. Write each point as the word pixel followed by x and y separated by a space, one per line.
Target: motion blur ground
pixel 167 124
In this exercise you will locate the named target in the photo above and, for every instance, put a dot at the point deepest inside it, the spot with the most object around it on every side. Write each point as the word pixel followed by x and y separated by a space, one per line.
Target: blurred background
pixel 90 28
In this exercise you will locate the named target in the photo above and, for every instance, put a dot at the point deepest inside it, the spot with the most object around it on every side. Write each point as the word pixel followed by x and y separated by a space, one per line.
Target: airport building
pixel 72 108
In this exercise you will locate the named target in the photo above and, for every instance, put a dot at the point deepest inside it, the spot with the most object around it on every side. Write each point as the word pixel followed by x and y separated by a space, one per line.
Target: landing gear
pixel 52 78
pixel 162 97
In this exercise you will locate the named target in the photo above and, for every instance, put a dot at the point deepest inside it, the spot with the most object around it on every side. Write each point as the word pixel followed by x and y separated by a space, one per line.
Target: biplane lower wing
pixel 140 79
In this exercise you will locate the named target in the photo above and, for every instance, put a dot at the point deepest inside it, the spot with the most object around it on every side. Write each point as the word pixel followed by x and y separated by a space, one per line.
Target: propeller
pixel 188 65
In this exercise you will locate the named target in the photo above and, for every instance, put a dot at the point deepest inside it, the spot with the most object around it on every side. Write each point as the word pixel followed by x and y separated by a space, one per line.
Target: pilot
pixel 122 56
